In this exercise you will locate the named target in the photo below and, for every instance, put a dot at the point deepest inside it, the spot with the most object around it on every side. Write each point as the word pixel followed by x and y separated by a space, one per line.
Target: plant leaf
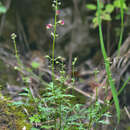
pixel 109 8
pixel 91 6
pixel 118 4
pixel 35 65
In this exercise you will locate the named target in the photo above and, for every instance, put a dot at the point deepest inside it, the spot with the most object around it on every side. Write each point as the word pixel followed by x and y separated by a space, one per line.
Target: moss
pixel 12 118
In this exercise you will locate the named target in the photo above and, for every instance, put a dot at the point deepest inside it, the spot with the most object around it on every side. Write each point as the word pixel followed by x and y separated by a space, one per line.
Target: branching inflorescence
pixel 53 27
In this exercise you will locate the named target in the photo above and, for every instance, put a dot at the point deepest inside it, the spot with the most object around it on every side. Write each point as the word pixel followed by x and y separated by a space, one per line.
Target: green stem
pixel 53 52
pixel 107 64
pixel 122 27
pixel 54 40
pixel 16 52
pixel 124 85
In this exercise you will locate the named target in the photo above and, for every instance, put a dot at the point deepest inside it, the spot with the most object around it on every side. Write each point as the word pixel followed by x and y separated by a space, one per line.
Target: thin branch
pixel 127 112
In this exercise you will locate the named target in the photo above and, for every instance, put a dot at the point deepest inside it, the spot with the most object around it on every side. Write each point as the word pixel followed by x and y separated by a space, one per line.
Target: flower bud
pixel 13 36
pixel 61 22
pixel 57 12
pixel 48 26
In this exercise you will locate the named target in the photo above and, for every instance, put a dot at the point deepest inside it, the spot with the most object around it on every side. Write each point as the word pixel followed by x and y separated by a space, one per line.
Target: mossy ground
pixel 12 118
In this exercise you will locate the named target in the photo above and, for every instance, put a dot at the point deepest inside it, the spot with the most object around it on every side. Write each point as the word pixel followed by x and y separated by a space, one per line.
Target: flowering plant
pixel 50 26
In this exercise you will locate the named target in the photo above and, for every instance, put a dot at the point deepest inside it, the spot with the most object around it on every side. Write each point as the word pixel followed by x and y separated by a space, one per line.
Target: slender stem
pixel 122 27
pixel 108 37
pixel 123 86
pixel 60 114
pixel 54 40
pixel 53 53
pixel 108 34
pixel 107 64
pixel 16 52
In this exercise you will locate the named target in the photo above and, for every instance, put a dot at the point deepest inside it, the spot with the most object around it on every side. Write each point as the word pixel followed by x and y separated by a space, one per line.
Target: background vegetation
pixel 79 37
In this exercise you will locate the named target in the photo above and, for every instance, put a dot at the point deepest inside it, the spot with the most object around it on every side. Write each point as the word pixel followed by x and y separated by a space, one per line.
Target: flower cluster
pixel 49 26
pixel 57 12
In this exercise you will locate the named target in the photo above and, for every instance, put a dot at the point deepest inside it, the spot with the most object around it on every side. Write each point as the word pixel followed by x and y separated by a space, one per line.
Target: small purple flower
pixel 57 12
pixel 61 22
pixel 48 26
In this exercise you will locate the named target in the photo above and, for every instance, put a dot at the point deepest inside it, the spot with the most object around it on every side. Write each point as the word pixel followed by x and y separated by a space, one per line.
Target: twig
pixel 127 112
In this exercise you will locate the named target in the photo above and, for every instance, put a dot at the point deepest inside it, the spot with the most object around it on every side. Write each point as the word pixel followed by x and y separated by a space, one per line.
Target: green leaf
pixel 106 17
pixel 2 8
pixel 109 8
pixel 18 103
pixel 117 4
pixel 95 22
pixel 35 118
pixel 35 65
pixel 26 89
pixel 91 6
pixel 35 129
pixel 23 94
pixel 47 126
